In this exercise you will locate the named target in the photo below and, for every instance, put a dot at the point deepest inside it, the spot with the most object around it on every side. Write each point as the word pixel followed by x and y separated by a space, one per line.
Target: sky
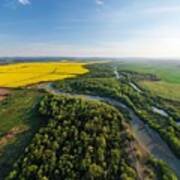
pixel 95 28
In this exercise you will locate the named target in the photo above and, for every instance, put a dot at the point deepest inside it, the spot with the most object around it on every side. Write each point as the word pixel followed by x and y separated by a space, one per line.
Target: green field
pixel 168 73
pixel 18 122
pixel 163 89
pixel 17 109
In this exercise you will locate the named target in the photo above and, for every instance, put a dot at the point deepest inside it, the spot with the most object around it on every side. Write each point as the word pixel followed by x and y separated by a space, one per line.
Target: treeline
pixel 137 76
pixel 93 86
pixel 163 172
pixel 82 140
pixel 100 70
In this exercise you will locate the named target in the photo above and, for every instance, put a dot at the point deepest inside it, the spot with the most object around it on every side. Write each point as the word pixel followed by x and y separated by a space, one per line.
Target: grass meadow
pixel 167 71
pixel 19 121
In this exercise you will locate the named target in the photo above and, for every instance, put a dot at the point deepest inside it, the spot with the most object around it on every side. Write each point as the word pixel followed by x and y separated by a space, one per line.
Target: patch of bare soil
pixel 4 93
pixel 11 135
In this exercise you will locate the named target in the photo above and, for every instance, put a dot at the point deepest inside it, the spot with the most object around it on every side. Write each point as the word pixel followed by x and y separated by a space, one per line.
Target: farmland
pixel 162 88
pixel 23 74
pixel 166 71
pixel 168 85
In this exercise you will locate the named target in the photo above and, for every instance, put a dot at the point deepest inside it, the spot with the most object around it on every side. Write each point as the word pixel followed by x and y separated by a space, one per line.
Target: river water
pixel 160 111
pixel 134 86
pixel 116 73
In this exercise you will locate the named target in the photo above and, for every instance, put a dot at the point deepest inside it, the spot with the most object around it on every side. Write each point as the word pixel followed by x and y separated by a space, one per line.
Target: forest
pixel 82 139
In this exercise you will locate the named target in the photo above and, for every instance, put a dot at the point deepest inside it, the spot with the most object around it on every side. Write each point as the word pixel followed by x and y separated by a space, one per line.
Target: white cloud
pixel 99 2
pixel 24 2
pixel 163 9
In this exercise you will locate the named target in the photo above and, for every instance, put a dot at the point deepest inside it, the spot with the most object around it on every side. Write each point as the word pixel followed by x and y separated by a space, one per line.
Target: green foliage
pixel 100 86
pixel 95 170
pixel 164 172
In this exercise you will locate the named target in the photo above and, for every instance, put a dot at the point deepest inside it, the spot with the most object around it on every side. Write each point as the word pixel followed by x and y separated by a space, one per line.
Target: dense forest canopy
pixel 83 140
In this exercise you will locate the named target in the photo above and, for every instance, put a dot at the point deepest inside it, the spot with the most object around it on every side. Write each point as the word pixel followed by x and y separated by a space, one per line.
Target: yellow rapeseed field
pixel 24 74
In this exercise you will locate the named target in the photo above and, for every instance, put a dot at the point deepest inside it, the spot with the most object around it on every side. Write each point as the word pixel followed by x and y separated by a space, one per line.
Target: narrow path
pixel 4 93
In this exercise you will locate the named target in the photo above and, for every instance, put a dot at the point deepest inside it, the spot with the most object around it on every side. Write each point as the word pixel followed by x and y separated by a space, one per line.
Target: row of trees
pixel 162 169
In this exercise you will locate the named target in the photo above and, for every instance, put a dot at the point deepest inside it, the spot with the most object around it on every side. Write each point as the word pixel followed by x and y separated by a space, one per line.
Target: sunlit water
pixel 160 111
pixel 135 87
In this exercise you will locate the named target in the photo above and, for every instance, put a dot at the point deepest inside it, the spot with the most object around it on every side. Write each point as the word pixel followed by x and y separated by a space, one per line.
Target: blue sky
pixel 110 28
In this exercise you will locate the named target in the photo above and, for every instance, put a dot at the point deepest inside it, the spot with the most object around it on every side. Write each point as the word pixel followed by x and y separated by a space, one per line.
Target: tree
pixel 95 170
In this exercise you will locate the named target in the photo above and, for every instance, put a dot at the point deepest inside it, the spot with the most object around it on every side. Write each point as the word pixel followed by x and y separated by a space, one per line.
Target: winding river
pixel 136 88
pixel 146 136
pixel 116 73
pixel 160 111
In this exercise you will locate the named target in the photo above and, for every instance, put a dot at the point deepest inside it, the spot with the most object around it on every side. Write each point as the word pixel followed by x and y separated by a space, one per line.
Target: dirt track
pixel 3 93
